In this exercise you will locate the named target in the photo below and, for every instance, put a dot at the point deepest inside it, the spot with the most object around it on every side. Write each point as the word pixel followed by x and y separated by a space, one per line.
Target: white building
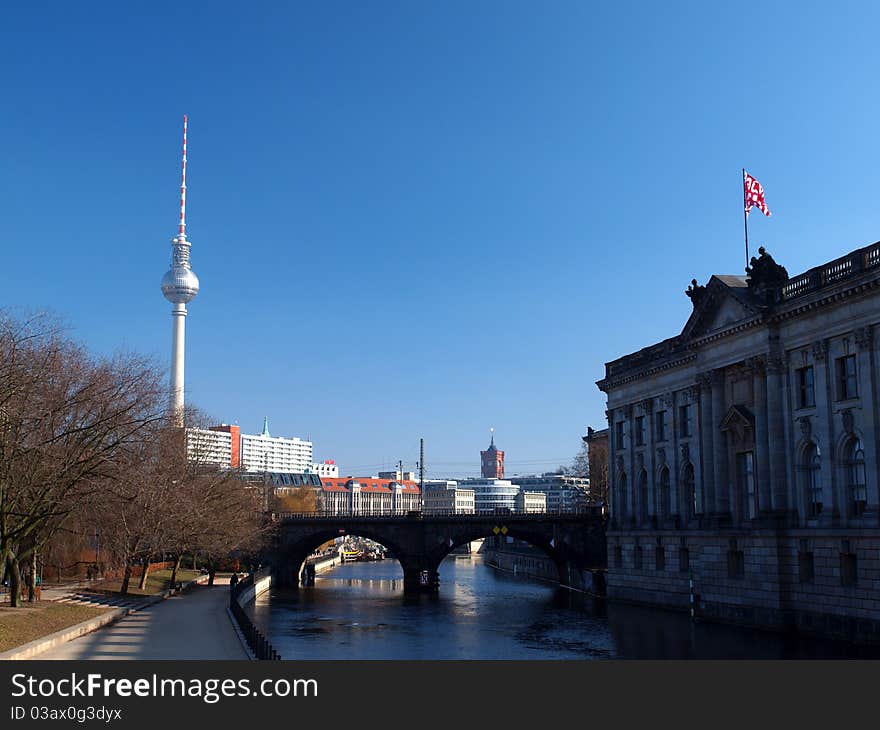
pixel 530 502
pixel 328 469
pixel 264 453
pixel 226 447
pixel 209 448
pixel 492 494
pixel 564 493
pixel 367 496
pixel 448 499
pixel 400 476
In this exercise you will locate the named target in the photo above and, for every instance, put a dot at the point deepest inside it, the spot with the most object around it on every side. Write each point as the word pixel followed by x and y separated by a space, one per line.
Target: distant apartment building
pixel 368 496
pixel 225 446
pixel 234 434
pixel 448 498
pixel 399 476
pixel 207 447
pixel 327 469
pixel 264 453
pixel 530 502
pixel 563 493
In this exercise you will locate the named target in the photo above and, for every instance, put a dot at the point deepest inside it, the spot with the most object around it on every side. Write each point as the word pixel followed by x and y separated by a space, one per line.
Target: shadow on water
pixel 358 611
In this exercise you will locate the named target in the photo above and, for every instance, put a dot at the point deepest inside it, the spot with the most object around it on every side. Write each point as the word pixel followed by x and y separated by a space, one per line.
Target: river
pixel 358 611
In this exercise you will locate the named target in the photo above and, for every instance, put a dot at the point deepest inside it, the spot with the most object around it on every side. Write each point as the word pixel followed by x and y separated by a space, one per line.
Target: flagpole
pixel 745 218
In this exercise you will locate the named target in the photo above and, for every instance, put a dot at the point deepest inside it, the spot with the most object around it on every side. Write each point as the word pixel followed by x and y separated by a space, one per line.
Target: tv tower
pixel 179 285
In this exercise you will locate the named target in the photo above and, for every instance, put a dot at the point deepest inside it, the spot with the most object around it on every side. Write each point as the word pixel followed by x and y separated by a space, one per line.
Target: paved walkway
pixel 193 625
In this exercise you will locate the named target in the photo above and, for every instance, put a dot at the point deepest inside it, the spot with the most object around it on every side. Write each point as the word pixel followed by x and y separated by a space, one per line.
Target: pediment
pixel 737 418
pixel 722 303
pixel 739 424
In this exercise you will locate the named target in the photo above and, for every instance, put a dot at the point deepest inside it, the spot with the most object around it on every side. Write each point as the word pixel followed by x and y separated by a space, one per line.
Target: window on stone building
pixel 847 383
pixel 806 389
pixel 813 471
pixel 621 490
pixel 855 466
pixel 659 556
pixel 849 569
pixel 806 572
pixel 619 434
pixel 640 431
pixel 660 425
pixel 689 490
pixel 685 422
pixel 643 496
pixel 684 557
pixel 736 562
pixel 663 509
pixel 745 467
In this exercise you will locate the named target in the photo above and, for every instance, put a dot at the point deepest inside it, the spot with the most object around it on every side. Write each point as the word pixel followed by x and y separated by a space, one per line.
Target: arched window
pixel 643 496
pixel 813 479
pixel 689 490
pixel 663 510
pixel 855 467
pixel 621 490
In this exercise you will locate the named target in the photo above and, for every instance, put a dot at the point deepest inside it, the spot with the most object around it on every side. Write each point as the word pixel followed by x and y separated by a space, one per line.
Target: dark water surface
pixel 357 611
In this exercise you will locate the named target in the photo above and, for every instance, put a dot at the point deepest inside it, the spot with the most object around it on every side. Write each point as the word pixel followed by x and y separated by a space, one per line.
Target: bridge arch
pixel 574 542
pixel 288 561
pixel 563 557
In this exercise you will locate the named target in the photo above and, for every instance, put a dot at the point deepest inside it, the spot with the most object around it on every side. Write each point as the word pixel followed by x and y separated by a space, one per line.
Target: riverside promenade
pixel 192 625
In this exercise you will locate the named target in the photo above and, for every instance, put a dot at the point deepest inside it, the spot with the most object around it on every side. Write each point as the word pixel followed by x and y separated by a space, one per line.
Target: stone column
pixel 613 487
pixel 722 482
pixel 868 398
pixel 648 455
pixel 706 487
pixel 776 434
pixel 823 382
pixel 762 454
pixel 672 460
pixel 630 465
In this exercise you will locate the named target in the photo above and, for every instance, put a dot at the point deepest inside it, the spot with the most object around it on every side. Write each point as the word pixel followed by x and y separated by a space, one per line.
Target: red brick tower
pixel 492 461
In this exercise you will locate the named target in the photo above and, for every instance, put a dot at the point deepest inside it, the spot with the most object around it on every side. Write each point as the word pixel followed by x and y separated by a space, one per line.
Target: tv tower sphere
pixel 179 285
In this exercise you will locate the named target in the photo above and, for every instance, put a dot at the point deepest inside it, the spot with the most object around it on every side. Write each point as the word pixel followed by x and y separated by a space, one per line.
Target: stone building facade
pixel 743 453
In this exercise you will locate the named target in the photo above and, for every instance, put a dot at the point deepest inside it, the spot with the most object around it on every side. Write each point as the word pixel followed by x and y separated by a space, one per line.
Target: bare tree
pixel 580 465
pixel 65 417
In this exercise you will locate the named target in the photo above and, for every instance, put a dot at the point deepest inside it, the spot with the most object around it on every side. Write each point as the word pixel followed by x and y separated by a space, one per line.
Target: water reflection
pixel 358 611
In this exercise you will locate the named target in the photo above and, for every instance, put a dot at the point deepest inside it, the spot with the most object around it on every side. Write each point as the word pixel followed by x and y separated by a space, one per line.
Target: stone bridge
pixel 574 541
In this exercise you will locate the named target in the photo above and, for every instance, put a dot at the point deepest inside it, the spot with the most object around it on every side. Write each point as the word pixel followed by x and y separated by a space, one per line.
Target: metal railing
pixel 842 268
pixel 258 643
pixel 477 515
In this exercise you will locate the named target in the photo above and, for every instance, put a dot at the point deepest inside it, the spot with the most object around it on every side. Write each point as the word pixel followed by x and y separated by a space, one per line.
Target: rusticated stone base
pixel 815 582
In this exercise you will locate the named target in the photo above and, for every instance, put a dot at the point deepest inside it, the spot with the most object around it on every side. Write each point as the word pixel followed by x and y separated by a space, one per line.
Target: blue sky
pixel 422 218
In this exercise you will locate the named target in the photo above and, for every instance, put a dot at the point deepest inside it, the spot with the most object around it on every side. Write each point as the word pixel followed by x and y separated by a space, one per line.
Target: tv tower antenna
pixel 180 286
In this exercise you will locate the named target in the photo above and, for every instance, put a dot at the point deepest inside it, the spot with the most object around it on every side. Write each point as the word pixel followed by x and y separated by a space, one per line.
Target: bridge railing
pixel 258 643
pixel 477 515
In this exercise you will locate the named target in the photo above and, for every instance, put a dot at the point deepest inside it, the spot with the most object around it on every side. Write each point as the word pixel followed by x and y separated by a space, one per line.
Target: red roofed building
pixel 368 496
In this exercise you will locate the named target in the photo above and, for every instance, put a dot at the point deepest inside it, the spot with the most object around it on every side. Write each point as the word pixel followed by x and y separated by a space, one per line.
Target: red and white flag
pixel 753 194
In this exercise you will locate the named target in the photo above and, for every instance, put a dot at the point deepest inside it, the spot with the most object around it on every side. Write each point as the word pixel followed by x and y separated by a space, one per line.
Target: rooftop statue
pixel 765 277
pixel 765 271
pixel 696 292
